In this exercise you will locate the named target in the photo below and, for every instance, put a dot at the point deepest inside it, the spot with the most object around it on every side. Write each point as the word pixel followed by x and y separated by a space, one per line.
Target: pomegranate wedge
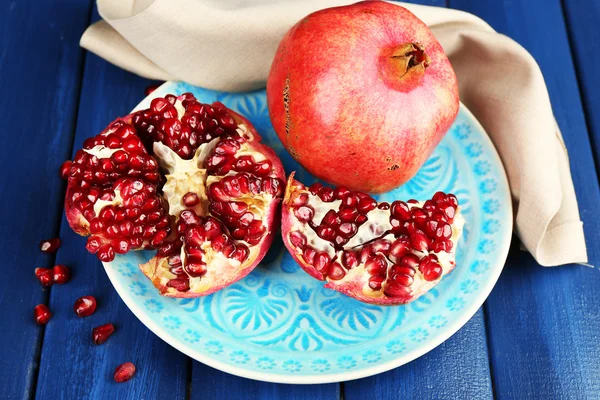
pixel 378 253
pixel 191 180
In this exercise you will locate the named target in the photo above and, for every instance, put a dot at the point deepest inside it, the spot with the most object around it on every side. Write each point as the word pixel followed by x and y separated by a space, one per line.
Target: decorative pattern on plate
pixel 279 324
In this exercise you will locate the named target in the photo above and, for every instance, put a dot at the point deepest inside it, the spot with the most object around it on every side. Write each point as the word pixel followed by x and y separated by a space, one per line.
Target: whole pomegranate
pixel 378 253
pixel 188 179
pixel 360 95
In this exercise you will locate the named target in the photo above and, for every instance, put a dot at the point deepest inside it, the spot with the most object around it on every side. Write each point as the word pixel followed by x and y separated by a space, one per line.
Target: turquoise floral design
pixel 488 186
pixel 138 288
pixel 469 286
pixel 292 366
pixel 153 306
pixel 486 246
pixel 239 357
pixel 418 334
pixel 482 167
pixel 213 347
pixel 437 321
pixel 455 304
pixel 491 206
pixel 171 322
pixel 474 150
pixel 250 309
pixel 320 365
pixel 127 269
pixel 395 346
pixel 480 267
pixel 346 362
pixel 491 226
pixel 463 131
pixel 265 363
pixel 348 312
pixel 371 356
pixel 191 336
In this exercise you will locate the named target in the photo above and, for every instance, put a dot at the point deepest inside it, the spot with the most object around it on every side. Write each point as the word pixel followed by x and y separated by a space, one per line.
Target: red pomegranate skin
pixel 346 106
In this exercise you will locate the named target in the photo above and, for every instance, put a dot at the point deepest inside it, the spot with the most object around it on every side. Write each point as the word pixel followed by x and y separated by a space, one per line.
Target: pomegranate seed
pixel 409 260
pixel 190 199
pixel 322 262
pixel 376 281
pixel 304 213
pixel 350 201
pixel 315 188
pixel 347 229
pixel 50 245
pixel 430 268
pixel 381 246
pixel 42 314
pixel 401 211
pixel 65 168
pixel 309 255
pixel 85 306
pixel 400 270
pixel 367 204
pixel 349 259
pixel 419 241
pixel 336 271
pixel 377 265
pixel 347 214
pixel 341 192
pixel 400 247
pixel 60 274
pixel 395 289
pixel 325 232
pixel 327 194
pixel 439 196
pixel 300 200
pixel 298 239
pixel 181 285
pixel 106 253
pixel 44 275
pixel 447 208
pixel 100 334
pixel 361 219
pixel 124 372
pixel 383 206
pixel 452 199
pixel 404 280
pixel 444 231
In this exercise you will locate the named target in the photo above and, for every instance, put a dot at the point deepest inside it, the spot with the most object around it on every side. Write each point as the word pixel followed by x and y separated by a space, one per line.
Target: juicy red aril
pixel 349 259
pixel 419 241
pixel 309 254
pixel 376 281
pixel 50 245
pixel 321 261
pixel 124 372
pixel 448 209
pixel 401 211
pixel 298 239
pixel 377 265
pixel 341 192
pixel 44 275
pixel 383 206
pixel 336 271
pixel 42 314
pixel 327 194
pixel 409 260
pixel 85 306
pixel 100 334
pixel 395 289
pixel 348 214
pixel 325 232
pixel 65 169
pixel 304 213
pixel 430 268
pixel 190 199
pixel 60 274
pixel 400 247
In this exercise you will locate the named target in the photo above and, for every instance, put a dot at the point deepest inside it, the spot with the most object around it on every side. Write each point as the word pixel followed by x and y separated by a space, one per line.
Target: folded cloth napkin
pixel 229 44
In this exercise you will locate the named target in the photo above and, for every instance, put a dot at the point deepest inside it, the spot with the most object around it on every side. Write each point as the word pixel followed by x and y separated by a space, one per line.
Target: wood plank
pixel 209 383
pixel 582 19
pixel 542 323
pixel 458 368
pixel 40 71
pixel 71 366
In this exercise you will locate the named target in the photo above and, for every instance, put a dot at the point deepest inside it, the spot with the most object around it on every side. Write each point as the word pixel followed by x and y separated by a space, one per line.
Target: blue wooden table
pixel 536 337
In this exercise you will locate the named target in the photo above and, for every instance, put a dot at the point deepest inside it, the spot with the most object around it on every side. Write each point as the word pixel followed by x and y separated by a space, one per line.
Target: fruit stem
pixel 403 67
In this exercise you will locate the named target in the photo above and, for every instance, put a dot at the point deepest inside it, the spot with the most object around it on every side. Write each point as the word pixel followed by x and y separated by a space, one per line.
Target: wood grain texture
pixel 543 323
pixel 582 19
pixel 209 383
pixel 71 366
pixel 457 369
pixel 40 70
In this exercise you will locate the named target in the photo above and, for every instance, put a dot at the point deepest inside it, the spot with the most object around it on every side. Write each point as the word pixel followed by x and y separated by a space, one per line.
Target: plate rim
pixel 454 326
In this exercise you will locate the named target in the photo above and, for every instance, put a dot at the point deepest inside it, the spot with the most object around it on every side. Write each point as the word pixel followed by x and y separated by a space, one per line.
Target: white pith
pixel 101 151
pixel 375 226
pixel 100 204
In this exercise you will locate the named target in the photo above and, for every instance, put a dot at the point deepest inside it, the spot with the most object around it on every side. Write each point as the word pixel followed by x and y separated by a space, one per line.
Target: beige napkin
pixel 228 45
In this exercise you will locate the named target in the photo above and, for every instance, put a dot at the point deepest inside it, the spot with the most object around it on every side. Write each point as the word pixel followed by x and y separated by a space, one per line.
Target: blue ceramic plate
pixel 280 325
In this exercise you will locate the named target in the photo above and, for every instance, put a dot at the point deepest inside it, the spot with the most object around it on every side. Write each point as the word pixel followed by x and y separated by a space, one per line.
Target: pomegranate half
pixel 188 179
pixel 378 253
pixel 360 95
